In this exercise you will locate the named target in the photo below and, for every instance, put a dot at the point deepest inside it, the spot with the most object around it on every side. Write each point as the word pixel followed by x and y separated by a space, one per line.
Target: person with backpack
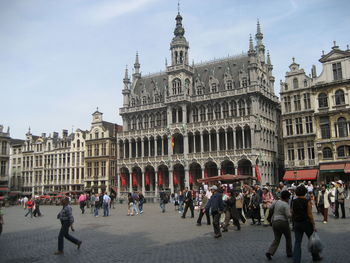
pixel 339 199
pixel 279 215
pixel 141 202
pixel 164 199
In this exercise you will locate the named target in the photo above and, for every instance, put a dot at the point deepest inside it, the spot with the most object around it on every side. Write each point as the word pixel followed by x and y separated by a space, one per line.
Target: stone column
pixel 226 140
pixel 252 139
pixel 137 148
pixel 210 142
pixel 130 181
pixel 149 147
pixel 171 181
pixel 162 146
pixel 203 169
pixel 156 184
pixel 236 167
pixel 118 185
pixel 243 141
pixel 142 148
pixel 170 148
pixel 202 145
pixel 143 182
pixel 184 114
pixel 185 143
pixel 156 147
pixel 187 178
pixel 234 139
pixel 130 149
pixel 217 141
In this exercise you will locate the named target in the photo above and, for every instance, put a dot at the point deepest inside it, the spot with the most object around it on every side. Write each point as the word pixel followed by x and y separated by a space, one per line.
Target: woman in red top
pixel 30 205
pixel 267 200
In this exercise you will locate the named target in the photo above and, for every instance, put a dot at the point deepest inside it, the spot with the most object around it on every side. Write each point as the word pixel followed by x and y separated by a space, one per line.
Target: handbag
pixel 315 246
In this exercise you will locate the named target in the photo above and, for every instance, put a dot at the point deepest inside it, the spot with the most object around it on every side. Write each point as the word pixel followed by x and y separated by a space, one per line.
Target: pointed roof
pixel 137 63
pixel 259 35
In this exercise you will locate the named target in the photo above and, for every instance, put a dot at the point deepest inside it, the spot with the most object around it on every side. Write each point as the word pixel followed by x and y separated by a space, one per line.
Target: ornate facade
pixel 101 154
pixel 193 121
pixel 5 140
pixel 316 116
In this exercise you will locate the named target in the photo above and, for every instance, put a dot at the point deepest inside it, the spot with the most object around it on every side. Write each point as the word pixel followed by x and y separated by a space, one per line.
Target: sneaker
pixel 325 222
pixel 268 255
pixel 217 236
pixel 96 216
pixel 58 252
pixel 199 224
pixel 79 244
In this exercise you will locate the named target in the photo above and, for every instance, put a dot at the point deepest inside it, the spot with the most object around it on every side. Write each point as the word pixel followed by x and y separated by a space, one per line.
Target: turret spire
pixel 126 79
pixel 137 63
pixel 251 51
pixel 259 36
pixel 268 58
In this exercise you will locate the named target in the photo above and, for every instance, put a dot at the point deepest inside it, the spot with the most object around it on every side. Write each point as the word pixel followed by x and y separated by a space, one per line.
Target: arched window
pixel 217 112
pixel 241 106
pixel 305 83
pixel 202 113
pixel 144 100
pixel 176 86
pixel 133 102
pixel 225 109
pixel 195 114
pixel 158 119
pixel 339 97
pixel 341 151
pixel 322 100
pixel 187 85
pixel 342 127
pixel 210 112
pixel 145 121
pixel 249 104
pixel 295 83
pixel 199 90
pixel 327 153
pixel 233 109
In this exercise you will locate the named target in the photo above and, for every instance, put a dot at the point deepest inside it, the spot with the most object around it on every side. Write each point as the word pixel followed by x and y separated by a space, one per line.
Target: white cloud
pixel 112 9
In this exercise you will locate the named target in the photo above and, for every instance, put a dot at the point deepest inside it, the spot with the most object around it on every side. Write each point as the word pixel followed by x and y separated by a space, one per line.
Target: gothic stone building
pixel 194 121
pixel 316 115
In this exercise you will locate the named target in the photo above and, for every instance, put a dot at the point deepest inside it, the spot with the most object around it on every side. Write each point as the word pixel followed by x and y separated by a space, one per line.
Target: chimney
pixel 55 135
pixel 64 133
pixel 313 71
pixel 43 135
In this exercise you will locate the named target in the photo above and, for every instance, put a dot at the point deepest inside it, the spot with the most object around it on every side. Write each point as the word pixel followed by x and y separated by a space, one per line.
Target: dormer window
pixel 305 83
pixel 176 86
pixel 229 85
pixel 337 74
pixel 144 100
pixel 199 90
pixel 132 102
pixel 213 88
pixel 295 83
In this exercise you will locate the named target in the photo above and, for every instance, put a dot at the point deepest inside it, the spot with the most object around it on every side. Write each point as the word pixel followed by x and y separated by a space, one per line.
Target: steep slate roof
pixel 148 84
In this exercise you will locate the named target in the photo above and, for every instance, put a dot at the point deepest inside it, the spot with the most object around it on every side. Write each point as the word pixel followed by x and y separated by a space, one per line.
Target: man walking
pixel 106 201
pixel 217 206
pixel 67 220
pixel 339 199
pixel 164 199
pixel 37 207
pixel 188 203
pixel 92 203
pixel 201 208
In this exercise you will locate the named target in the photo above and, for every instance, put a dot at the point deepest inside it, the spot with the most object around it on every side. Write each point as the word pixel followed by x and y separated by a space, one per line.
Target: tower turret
pixel 259 44
pixel 126 90
pixel 137 73
pixel 179 45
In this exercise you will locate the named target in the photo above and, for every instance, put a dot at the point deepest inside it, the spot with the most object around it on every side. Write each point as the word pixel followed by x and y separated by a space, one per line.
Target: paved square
pixel 151 237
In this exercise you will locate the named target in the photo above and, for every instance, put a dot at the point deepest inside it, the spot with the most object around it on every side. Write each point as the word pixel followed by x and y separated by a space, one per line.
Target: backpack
pixel 166 199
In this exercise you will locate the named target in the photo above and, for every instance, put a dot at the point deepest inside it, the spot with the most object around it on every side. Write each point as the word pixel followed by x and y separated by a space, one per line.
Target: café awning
pixel 332 167
pixel 299 175
pixel 4 189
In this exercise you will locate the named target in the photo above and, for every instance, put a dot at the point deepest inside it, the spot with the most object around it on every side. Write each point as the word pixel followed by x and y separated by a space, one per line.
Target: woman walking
pixel 323 200
pixel 303 222
pixel 267 200
pixel 280 225
pixel 254 207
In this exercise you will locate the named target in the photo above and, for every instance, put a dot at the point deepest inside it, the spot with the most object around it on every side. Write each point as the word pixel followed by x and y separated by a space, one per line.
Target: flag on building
pixel 176 181
pixel 134 179
pixel 160 178
pixel 190 178
pixel 147 179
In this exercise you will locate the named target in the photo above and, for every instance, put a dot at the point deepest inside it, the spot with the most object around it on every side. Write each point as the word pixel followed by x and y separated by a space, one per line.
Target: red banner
pixel 160 178
pixel 172 141
pixel 134 179
pixel 205 173
pixel 122 180
pixel 257 172
pixel 147 179
pixel 191 178
pixel 176 181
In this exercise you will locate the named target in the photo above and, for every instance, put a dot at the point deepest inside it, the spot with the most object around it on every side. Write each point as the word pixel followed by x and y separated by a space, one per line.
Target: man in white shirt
pixel 106 201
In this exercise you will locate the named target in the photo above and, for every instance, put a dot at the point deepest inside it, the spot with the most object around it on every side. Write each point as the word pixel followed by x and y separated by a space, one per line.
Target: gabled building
pixel 316 119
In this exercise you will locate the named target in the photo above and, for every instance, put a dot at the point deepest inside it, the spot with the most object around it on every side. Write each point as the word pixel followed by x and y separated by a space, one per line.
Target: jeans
pixel 281 227
pixel 141 207
pixel 96 210
pixel 92 208
pixel 30 211
pixel 105 209
pixel 135 208
pixel 82 207
pixel 181 206
pixel 162 206
pixel 299 229
pixel 64 233
pixel 240 210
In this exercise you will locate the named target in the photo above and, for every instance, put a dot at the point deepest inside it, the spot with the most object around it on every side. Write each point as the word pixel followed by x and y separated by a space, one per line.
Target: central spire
pixel 179 30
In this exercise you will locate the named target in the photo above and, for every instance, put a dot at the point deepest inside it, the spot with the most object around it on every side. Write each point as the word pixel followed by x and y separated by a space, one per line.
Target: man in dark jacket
pixel 216 206
pixel 67 220
pixel 188 203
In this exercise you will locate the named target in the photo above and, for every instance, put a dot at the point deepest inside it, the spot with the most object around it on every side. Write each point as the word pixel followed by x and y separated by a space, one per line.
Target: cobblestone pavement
pixel 152 237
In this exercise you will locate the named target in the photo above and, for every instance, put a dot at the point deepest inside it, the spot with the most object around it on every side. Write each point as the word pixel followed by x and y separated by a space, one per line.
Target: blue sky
pixel 61 59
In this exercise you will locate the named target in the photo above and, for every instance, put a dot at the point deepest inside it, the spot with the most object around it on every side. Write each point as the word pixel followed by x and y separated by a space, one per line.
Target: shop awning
pixel 347 168
pixel 298 175
pixel 332 167
pixel 4 189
